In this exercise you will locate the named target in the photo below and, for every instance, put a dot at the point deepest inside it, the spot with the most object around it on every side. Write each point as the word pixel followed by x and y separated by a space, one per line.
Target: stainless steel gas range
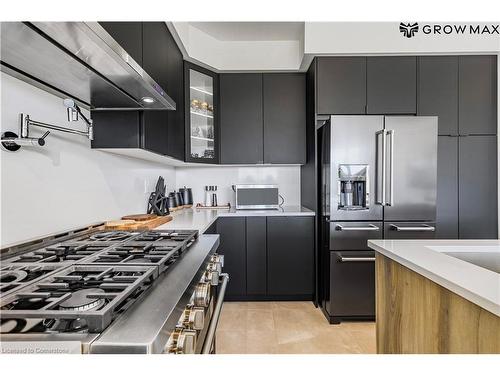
pixel 96 291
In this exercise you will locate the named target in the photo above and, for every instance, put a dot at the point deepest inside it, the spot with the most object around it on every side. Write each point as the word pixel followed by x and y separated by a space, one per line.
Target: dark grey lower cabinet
pixel 232 233
pixel 478 191
pixel 447 188
pixel 256 256
pixel 290 257
pixel 268 258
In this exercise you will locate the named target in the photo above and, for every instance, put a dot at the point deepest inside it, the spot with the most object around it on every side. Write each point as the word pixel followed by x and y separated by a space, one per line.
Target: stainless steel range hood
pixel 80 60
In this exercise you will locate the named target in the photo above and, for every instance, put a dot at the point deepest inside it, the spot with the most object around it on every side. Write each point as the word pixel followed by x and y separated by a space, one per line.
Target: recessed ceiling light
pixel 147 100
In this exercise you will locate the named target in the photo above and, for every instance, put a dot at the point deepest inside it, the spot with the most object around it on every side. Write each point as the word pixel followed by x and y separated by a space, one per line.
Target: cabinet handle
pixel 423 228
pixel 359 259
pixel 370 227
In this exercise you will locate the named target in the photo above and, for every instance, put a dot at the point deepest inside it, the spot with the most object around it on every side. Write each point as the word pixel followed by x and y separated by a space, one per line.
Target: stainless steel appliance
pixel 94 291
pixel 378 180
pixel 80 60
pixel 251 197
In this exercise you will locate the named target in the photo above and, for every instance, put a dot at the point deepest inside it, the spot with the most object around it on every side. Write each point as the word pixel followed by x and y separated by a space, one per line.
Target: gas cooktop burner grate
pixel 88 296
pixel 16 276
pixel 61 252
pixel 112 236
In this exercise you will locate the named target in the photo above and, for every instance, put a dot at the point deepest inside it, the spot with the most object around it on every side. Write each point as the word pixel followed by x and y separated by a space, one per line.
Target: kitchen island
pixel 437 296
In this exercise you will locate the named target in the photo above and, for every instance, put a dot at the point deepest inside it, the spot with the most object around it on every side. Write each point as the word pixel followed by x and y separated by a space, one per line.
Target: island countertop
pixel 430 259
pixel 201 218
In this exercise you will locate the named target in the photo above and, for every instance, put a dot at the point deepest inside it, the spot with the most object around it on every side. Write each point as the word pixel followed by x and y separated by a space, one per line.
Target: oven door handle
pixel 207 345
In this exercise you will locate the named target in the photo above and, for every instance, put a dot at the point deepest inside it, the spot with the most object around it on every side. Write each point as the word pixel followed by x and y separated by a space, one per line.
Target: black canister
pixel 187 196
pixel 180 200
pixel 172 201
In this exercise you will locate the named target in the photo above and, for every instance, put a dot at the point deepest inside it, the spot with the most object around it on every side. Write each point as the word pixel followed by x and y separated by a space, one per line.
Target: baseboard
pixel 262 298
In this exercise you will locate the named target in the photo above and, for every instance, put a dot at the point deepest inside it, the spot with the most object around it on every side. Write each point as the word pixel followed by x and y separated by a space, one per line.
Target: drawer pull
pixel 370 227
pixel 423 228
pixel 358 259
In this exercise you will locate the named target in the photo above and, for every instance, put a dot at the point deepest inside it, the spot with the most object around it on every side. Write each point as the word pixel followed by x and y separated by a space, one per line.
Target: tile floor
pixel 288 328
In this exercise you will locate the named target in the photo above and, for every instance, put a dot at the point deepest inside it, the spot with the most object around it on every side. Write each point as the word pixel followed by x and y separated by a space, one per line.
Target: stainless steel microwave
pixel 257 197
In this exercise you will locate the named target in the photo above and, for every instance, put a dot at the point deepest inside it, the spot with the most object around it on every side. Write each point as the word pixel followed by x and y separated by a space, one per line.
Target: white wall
pixel 324 38
pixel 65 184
pixel 286 177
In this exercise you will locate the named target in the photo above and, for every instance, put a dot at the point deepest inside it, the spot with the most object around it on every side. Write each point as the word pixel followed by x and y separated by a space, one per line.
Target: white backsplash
pixel 286 177
pixel 64 184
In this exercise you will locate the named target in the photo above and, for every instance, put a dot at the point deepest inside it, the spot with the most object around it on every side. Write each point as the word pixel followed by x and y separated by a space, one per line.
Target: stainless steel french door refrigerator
pixel 378 180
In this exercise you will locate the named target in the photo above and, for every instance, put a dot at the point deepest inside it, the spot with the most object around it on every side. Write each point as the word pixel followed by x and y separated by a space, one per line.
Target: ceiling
pixel 252 31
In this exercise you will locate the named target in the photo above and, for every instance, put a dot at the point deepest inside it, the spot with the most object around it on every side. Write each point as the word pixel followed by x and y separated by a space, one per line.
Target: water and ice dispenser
pixel 353 187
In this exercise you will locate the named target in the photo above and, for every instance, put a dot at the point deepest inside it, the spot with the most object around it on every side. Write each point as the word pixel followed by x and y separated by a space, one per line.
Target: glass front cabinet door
pixel 201 119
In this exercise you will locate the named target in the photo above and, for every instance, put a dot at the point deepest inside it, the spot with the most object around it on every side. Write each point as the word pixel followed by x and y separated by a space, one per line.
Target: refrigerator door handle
pixel 422 228
pixel 369 227
pixel 381 134
pixel 390 201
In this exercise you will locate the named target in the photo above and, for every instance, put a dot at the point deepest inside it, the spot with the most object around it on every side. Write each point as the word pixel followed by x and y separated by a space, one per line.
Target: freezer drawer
pixel 409 230
pixel 352 285
pixel 354 235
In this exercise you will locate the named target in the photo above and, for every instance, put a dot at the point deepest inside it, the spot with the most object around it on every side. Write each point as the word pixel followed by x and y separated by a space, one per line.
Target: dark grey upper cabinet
pixel 290 256
pixel 477 95
pixel 341 85
pixel 241 119
pixel 285 118
pixel 438 91
pixel 128 35
pixel 447 188
pixel 163 61
pixel 391 85
pixel 478 187
pixel 233 247
pixel 152 46
pixel 256 256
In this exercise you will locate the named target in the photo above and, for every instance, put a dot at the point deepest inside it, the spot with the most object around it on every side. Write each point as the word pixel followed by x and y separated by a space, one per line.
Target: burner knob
pixel 202 295
pixel 215 266
pixel 212 277
pixel 194 318
pixel 218 259
pixel 184 341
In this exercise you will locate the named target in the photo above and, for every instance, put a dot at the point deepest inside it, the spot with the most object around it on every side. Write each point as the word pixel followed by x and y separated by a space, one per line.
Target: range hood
pixel 82 61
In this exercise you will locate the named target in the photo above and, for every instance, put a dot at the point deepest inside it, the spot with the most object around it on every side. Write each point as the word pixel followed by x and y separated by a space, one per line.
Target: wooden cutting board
pixel 140 217
pixel 137 224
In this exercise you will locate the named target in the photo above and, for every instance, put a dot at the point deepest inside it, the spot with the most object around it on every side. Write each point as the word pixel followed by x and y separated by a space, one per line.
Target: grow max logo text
pixel 409 29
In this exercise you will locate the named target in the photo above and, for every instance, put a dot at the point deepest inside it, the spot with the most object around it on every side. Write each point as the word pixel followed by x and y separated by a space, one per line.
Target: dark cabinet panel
pixel 341 85
pixel 256 256
pixel 241 122
pixel 478 95
pixel 478 187
pixel 233 247
pixel 155 130
pixel 438 91
pixel 391 85
pixel 290 255
pixel 284 118
pixel 128 35
pixel 117 129
pixel 447 188
pixel 162 60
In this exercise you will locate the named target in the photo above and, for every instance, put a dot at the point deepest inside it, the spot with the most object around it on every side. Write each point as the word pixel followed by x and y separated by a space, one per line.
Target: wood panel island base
pixel 417 315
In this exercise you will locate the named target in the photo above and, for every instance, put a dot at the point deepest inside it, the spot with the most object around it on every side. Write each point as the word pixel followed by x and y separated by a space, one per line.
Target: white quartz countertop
pixel 429 258
pixel 201 218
